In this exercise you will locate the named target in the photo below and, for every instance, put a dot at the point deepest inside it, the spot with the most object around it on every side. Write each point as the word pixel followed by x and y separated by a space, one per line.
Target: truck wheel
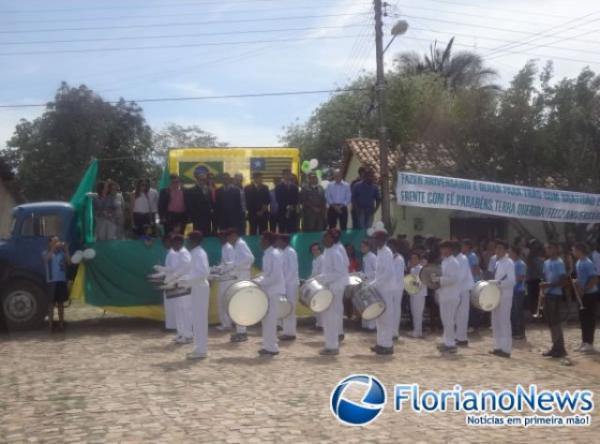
pixel 24 304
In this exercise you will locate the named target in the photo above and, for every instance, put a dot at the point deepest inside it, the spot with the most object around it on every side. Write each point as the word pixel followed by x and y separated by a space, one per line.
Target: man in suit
pixel 287 195
pixel 228 205
pixel 257 204
pixel 198 202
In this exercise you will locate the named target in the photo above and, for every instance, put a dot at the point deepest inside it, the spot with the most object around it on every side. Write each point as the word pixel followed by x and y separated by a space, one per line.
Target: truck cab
pixel 24 293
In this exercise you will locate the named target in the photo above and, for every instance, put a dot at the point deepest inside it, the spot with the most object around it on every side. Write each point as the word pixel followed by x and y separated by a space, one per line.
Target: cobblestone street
pixel 118 379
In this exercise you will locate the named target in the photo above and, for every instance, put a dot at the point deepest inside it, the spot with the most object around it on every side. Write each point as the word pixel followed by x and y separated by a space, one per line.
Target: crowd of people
pixel 252 209
pixel 532 279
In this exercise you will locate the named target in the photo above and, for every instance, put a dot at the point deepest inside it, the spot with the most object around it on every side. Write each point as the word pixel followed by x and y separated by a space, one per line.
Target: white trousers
pixel 397 311
pixel 330 319
pixel 318 321
pixel 169 306
pixel 224 318
pixel 462 315
pixel 289 323
pixel 183 317
pixel 448 307
pixel 501 322
pixel 269 324
pixel 385 322
pixel 417 305
pixel 199 311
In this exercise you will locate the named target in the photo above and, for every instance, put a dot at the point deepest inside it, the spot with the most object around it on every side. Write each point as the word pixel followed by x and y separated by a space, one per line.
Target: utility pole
pixel 382 130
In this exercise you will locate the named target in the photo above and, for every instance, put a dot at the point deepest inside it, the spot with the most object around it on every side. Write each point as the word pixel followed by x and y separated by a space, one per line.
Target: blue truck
pixel 24 294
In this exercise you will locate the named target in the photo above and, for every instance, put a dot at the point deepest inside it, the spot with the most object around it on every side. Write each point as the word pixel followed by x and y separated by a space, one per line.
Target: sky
pixel 141 49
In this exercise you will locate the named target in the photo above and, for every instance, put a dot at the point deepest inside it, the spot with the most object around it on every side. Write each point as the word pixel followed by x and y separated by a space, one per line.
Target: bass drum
pixel 369 303
pixel 353 287
pixel 246 303
pixel 485 295
pixel 315 296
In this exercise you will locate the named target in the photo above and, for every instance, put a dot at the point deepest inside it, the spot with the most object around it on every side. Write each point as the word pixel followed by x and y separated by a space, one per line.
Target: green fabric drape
pixel 165 177
pixel 83 204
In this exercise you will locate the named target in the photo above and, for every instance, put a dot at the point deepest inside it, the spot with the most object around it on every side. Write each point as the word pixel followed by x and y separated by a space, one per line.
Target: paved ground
pixel 116 379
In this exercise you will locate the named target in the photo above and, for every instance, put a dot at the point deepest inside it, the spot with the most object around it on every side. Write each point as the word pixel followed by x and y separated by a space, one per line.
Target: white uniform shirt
pixel 334 270
pixel 505 275
pixel 369 264
pixel 450 284
pixel 242 259
pixel 169 260
pixel 400 268
pixel 199 269
pixel 182 261
pixel 466 275
pixel 290 266
pixel 317 266
pixel 415 271
pixel 227 256
pixel 273 281
pixel 385 271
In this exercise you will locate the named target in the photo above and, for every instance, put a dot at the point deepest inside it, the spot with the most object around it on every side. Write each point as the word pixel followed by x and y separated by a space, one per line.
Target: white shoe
pixel 587 348
pixel 195 355
pixel 581 347
pixel 177 338
pixel 184 340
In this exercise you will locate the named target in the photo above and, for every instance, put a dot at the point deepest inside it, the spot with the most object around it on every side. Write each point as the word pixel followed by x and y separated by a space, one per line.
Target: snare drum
pixel 177 292
pixel 485 295
pixel 284 308
pixel 246 303
pixel 369 303
pixel 315 296
pixel 353 287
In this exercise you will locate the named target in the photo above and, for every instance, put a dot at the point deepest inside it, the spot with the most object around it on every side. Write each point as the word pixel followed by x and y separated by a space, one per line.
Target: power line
pixel 178 46
pixel 175 36
pixel 170 24
pixel 215 97
pixel 487 8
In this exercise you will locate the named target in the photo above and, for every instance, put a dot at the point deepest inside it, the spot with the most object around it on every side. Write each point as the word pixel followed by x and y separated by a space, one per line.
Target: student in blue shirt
pixel 56 259
pixel 587 287
pixel 517 318
pixel 555 275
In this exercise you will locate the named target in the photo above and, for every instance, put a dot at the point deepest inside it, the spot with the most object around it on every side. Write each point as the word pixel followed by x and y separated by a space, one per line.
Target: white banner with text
pixel 421 190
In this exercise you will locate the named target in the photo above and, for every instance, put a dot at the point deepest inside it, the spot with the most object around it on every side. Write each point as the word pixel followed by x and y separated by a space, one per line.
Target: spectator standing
pixel 287 196
pixel 517 315
pixel 314 205
pixel 56 258
pixel 361 176
pixel 338 198
pixel 199 202
pixel 596 256
pixel 228 205
pixel 257 204
pixel 238 181
pixel 171 206
pixel 115 191
pixel 105 213
pixel 274 206
pixel 365 198
pixel 141 208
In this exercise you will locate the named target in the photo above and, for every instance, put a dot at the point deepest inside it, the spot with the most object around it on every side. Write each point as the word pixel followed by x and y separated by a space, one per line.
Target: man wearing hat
pixel 386 284
pixel 197 279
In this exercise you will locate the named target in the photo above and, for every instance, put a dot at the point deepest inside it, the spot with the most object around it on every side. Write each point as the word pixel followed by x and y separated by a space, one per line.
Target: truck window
pixel 45 225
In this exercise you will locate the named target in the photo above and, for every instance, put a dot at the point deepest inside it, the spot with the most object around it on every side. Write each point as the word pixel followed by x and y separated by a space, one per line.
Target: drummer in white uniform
pixel 400 269
pixel 197 279
pixel 292 280
pixel 417 300
pixel 334 275
pixel 317 266
pixel 385 283
pixel 169 304
pixel 467 283
pixel 505 276
pixel 369 261
pixel 240 267
pixel 449 296
pixel 273 283
pixel 225 265
pixel 181 264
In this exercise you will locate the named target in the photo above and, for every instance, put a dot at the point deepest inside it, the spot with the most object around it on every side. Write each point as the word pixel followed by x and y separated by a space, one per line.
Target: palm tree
pixel 462 70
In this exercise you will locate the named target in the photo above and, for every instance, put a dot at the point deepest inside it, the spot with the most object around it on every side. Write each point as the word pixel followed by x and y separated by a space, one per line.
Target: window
pixel 42 225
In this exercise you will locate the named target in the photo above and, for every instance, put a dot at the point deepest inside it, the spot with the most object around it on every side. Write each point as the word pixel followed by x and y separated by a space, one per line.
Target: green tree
pixel 178 136
pixel 50 153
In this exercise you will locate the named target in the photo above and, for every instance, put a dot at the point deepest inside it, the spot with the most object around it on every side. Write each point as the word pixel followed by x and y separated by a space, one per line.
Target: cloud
pixel 193 89
pixel 9 118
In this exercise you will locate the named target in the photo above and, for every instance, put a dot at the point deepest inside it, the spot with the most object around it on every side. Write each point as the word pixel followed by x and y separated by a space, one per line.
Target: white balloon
pixel 313 163
pixel 89 254
pixel 76 257
pixel 324 183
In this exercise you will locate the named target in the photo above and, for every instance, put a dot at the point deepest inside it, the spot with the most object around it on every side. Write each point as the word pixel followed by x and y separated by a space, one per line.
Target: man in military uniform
pixel 314 205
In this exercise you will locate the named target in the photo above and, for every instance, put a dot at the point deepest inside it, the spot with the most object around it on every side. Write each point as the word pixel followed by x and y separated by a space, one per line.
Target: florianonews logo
pixel 367 409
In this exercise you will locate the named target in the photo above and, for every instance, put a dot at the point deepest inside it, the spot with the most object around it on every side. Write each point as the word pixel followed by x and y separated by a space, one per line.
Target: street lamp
pixel 399 28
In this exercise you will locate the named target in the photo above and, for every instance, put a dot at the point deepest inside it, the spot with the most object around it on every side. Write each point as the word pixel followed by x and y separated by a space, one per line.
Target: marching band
pixel 451 274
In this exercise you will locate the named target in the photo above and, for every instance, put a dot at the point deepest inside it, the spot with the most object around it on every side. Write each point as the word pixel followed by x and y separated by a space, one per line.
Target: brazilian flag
pixel 187 169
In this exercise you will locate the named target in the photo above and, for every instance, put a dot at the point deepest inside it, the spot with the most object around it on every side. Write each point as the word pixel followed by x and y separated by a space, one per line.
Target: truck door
pixel 33 235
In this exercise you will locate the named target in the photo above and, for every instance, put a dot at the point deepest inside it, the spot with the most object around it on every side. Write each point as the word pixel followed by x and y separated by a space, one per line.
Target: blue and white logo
pixel 364 412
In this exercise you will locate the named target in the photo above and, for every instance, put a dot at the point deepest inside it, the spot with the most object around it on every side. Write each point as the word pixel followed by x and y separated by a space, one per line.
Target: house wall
pixel 7 202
